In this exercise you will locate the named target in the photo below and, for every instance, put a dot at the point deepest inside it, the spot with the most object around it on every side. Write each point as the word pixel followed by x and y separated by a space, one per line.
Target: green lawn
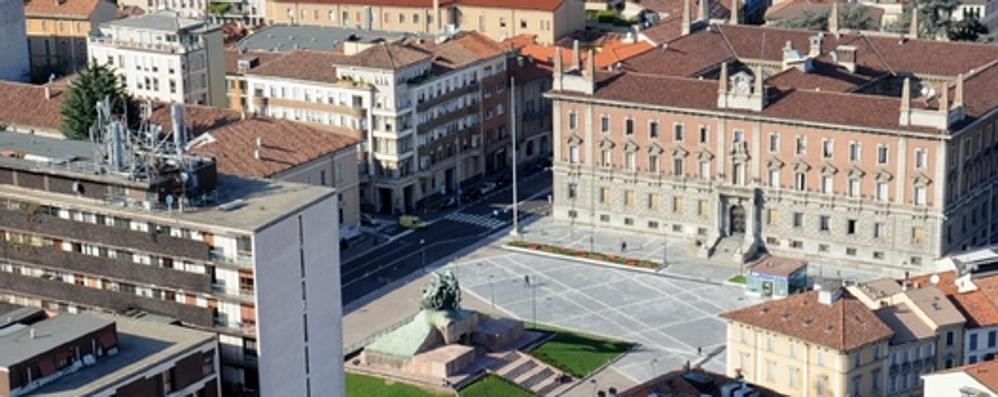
pixel 576 353
pixel 494 386
pixel 369 386
pixel 737 279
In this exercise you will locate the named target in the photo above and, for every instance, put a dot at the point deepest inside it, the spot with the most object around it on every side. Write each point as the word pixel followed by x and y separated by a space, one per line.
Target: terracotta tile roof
pixel 985 372
pixel 612 51
pixel 24 106
pixel 538 5
pixel 461 50
pixel 618 51
pixel 667 30
pixel 979 90
pixel 198 119
pixel 686 56
pixel 385 56
pixel 948 58
pixel 66 8
pixel 777 266
pixel 844 325
pixel 285 144
pixel 824 77
pixel 232 58
pixel 821 107
pixel 519 41
pixel 905 323
pixel 303 65
pixel 529 70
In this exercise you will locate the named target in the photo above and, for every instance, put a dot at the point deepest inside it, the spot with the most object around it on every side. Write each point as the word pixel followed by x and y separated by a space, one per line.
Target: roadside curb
pixel 591 262
pixel 577 259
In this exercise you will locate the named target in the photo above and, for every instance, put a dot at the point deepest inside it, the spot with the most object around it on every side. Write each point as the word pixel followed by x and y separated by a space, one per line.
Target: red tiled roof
pixel 844 325
pixel 777 266
pixel 796 8
pixel 24 106
pixel 685 56
pixel 674 384
pixel 198 119
pixel 824 77
pixel 985 372
pixel 821 107
pixel 461 50
pixel 285 144
pixel 66 8
pixel 718 9
pixel 385 56
pixel 302 65
pixel 232 58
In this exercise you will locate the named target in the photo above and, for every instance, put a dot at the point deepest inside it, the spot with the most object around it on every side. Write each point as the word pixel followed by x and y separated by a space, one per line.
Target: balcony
pixel 101 266
pixel 171 48
pixel 447 117
pixel 154 242
pixel 110 300
pixel 424 105
pixel 240 260
pixel 319 106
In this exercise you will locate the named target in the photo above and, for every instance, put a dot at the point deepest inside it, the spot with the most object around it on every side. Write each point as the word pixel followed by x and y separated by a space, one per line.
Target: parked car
pixel 471 195
pixel 487 187
pixel 367 220
pixel 411 222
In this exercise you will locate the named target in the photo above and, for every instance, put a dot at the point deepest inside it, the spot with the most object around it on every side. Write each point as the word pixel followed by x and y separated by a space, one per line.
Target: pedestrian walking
pixel 623 246
pixel 699 350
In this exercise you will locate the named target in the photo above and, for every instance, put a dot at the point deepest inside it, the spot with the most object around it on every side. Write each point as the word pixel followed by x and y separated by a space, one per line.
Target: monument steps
pixel 532 374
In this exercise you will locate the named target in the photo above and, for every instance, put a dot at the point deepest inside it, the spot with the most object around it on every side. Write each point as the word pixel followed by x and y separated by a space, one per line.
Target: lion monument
pixel 442 292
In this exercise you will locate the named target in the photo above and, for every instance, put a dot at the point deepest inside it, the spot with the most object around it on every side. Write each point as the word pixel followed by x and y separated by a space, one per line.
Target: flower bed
pixel 597 256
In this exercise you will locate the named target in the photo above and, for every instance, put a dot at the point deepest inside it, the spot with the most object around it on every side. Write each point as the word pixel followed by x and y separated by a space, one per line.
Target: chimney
pixel 704 11
pixel 847 57
pixel 828 296
pixel 259 142
pixel 958 100
pixel 944 99
pixel 905 103
pixel 179 132
pixel 31 332
pixel 48 93
pixel 576 61
pixel 686 18
pixel 815 49
pixel 256 154
pixel 558 68
pixel 436 16
pixel 759 89
pixel 591 65
pixel 734 12
pixel 833 17
pixel 913 26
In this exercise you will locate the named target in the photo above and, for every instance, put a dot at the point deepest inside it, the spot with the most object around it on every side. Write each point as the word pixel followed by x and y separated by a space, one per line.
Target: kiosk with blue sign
pixel 776 277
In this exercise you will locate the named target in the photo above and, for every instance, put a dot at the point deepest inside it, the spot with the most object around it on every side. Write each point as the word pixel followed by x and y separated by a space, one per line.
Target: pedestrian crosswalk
pixel 485 221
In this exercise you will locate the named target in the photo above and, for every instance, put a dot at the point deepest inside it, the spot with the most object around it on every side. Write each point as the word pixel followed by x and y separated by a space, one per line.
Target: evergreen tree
pixel 93 84
pixel 934 18
pixel 850 17
pixel 969 29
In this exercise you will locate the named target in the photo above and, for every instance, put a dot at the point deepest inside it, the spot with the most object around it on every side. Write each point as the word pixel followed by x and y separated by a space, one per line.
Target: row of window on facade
pixel 774 141
pixel 854 187
pixel 359 16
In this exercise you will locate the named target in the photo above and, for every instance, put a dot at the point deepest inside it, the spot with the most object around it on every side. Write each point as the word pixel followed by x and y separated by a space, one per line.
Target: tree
pixel 93 84
pixel 850 17
pixel 968 29
pixel 934 18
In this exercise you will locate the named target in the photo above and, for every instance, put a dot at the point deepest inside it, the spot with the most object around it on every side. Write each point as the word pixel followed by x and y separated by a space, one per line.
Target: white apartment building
pixel 246 11
pixel 14 63
pixel 164 57
pixel 431 115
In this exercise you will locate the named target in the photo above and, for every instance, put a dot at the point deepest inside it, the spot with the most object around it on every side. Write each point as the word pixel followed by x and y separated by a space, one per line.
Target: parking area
pixel 672 315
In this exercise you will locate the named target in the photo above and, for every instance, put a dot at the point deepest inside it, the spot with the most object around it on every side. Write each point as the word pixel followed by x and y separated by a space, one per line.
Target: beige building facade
pixel 791 150
pixel 547 19
pixel 57 33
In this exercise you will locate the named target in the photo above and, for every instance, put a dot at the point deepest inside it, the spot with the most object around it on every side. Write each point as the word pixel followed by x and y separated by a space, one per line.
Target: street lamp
pixel 595 385
pixel 422 249
pixel 665 245
pixel 533 297
pixel 513 116
pixel 493 288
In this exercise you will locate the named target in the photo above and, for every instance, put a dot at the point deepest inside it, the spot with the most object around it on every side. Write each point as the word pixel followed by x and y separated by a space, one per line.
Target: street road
pixel 458 229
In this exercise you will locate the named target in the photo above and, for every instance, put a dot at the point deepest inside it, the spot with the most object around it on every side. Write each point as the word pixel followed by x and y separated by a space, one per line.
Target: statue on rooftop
pixel 442 292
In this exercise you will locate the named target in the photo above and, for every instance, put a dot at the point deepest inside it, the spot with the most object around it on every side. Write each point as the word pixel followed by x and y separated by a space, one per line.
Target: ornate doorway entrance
pixel 736 218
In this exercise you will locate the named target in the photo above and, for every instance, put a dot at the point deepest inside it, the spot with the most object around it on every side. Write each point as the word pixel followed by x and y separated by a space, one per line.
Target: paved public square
pixel 670 315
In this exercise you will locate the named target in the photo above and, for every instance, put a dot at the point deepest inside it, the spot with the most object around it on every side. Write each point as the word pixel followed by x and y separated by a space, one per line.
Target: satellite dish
pixel 934 279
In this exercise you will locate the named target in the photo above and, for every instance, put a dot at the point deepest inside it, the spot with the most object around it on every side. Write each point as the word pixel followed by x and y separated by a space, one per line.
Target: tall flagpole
pixel 512 112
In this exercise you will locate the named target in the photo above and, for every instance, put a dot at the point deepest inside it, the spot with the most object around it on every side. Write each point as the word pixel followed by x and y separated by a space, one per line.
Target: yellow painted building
pixel 810 345
pixel 547 19
pixel 57 33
